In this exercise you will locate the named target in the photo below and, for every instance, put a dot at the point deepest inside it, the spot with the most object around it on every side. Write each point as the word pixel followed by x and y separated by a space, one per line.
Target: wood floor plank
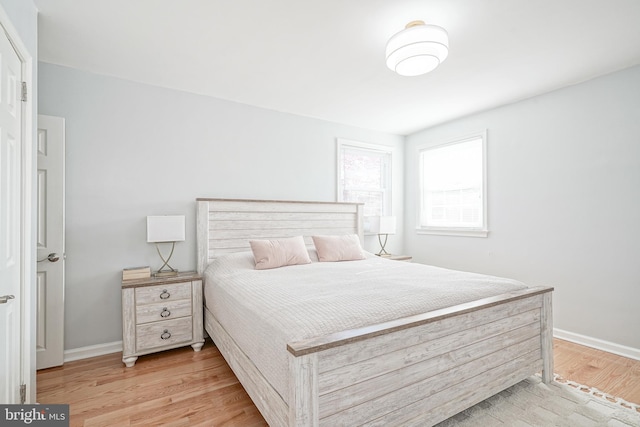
pixel 175 388
pixel 610 373
pixel 181 387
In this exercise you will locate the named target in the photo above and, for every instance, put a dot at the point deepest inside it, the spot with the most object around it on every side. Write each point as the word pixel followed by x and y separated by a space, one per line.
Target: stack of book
pixel 136 273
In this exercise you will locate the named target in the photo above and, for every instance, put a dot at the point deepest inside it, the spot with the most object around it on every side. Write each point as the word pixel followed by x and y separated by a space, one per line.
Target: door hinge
pixel 24 92
pixel 23 393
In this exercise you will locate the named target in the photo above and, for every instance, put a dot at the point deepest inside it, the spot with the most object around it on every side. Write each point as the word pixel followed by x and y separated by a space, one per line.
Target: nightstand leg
pixel 197 346
pixel 129 361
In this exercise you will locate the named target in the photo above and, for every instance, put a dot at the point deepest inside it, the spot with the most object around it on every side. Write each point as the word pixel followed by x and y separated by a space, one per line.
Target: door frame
pixel 27 238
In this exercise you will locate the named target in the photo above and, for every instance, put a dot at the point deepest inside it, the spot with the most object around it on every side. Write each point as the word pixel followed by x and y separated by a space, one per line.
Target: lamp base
pixel 383 252
pixel 167 273
pixel 162 272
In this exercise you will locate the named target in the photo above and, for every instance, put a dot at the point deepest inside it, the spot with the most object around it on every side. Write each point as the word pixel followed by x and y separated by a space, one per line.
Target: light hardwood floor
pixel 177 387
pixel 610 373
pixel 183 388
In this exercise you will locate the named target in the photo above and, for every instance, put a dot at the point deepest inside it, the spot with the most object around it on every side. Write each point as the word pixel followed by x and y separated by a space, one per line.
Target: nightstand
pixel 406 258
pixel 159 313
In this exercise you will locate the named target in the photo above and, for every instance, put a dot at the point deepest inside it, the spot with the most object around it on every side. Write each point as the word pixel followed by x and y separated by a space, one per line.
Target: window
pixel 453 187
pixel 364 176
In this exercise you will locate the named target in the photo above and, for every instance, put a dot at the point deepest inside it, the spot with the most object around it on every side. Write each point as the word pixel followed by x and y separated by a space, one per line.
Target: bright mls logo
pixel 34 415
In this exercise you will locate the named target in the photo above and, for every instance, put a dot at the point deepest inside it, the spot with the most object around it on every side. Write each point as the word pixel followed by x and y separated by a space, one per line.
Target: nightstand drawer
pixel 164 333
pixel 163 311
pixel 164 293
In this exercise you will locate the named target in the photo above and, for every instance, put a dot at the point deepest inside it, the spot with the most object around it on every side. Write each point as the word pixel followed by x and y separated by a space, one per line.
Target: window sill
pixel 452 232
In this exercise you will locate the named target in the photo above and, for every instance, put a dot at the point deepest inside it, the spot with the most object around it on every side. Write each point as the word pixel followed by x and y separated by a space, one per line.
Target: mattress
pixel 263 310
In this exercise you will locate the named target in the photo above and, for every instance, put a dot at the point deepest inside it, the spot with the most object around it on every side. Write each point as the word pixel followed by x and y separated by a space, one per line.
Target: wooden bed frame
pixel 418 370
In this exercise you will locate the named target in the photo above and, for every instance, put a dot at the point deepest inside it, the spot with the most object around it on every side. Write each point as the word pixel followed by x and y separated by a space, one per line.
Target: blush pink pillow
pixel 279 253
pixel 338 248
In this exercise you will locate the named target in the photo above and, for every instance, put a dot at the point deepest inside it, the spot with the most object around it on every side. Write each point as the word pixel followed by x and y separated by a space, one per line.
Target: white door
pixel 50 243
pixel 11 218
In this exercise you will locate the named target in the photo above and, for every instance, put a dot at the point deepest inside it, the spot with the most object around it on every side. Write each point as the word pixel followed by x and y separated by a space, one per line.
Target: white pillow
pixel 338 248
pixel 279 253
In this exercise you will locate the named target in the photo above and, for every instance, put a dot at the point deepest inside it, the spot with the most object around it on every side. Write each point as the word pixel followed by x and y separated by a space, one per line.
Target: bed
pixel 418 369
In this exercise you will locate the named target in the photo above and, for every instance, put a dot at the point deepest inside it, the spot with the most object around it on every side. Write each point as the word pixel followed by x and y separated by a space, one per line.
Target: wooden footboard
pixel 414 371
pixel 424 369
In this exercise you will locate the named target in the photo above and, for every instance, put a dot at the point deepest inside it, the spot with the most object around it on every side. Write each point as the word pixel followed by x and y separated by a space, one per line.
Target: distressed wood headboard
pixel 227 225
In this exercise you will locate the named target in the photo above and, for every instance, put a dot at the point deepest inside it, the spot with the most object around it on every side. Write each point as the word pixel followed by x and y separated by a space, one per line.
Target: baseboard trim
pixel 92 351
pixel 620 350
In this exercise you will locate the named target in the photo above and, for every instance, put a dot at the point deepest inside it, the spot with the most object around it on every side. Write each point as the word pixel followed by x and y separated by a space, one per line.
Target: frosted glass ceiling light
pixel 417 49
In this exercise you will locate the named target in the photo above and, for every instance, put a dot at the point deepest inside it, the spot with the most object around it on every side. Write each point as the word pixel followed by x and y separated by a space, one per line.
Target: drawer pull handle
pixel 164 294
pixel 165 312
pixel 166 335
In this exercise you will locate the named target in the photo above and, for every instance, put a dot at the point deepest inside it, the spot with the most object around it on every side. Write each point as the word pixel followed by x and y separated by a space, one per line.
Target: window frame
pixel 483 230
pixel 387 203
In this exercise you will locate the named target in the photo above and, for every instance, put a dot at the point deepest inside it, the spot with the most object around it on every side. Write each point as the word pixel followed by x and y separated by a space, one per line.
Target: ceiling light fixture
pixel 418 49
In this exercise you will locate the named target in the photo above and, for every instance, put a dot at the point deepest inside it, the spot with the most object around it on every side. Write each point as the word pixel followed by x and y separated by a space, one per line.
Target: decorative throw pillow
pixel 338 248
pixel 279 253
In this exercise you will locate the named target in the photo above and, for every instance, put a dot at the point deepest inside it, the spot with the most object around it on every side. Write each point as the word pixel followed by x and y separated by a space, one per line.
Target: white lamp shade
pixel 417 49
pixel 165 228
pixel 387 225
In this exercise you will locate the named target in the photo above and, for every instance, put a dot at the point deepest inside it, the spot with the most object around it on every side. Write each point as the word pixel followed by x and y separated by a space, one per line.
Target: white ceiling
pixel 325 58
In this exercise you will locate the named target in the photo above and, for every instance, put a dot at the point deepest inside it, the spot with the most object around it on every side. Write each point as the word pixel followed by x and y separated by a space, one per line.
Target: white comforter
pixel 263 310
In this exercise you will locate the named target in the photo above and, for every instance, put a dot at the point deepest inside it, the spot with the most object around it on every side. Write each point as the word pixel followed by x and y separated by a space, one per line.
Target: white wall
pixel 564 173
pixel 135 150
pixel 564 202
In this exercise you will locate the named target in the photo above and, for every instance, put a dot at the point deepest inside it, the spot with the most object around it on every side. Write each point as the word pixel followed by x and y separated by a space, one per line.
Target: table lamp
pixel 165 229
pixel 386 226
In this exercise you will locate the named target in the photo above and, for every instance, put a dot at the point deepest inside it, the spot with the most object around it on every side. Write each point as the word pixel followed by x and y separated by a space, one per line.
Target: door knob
pixel 52 257
pixel 4 299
